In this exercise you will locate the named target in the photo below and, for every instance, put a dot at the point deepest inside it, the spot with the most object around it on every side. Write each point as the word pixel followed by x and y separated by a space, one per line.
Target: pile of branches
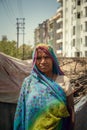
pixel 80 87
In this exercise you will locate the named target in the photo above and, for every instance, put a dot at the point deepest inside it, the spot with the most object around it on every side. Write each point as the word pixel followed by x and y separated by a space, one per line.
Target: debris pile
pixel 76 70
pixel 80 87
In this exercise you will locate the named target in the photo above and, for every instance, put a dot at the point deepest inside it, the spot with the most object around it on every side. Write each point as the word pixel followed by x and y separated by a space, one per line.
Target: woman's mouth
pixel 43 66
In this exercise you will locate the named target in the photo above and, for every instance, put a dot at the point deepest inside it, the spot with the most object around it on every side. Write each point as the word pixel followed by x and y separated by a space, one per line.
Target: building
pixel 74 27
pixel 50 32
pixel 66 30
pixel 41 34
pixel 55 33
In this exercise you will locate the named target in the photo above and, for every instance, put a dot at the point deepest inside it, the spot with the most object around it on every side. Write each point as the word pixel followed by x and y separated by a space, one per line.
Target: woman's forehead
pixel 41 52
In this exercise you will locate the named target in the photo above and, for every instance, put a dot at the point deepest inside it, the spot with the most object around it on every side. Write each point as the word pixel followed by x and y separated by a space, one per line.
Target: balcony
pixel 60 9
pixel 59 30
pixel 59 0
pixel 59 20
pixel 59 41
pixel 85 4
pixel 85 33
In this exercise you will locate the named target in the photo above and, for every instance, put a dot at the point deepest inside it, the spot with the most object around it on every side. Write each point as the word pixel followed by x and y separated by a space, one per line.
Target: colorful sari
pixel 42 104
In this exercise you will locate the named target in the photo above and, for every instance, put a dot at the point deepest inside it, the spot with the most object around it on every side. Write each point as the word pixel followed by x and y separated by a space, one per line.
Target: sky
pixel 34 12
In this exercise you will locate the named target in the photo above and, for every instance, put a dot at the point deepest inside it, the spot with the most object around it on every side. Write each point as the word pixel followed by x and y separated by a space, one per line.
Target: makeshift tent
pixel 12 73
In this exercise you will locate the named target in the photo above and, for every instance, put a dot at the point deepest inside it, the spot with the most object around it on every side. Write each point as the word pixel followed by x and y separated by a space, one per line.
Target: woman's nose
pixel 43 60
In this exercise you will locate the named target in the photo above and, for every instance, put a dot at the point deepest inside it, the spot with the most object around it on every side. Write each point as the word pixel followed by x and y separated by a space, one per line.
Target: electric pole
pixel 23 35
pixel 17 33
pixel 20 27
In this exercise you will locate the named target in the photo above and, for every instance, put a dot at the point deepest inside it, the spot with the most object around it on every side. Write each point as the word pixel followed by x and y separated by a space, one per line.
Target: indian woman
pixel 46 96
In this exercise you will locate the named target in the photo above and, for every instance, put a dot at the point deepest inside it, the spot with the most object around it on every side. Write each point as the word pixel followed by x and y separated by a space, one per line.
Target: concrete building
pixel 74 27
pixel 66 30
pixel 37 35
pixel 55 33
pixel 50 32
pixel 41 34
pixel 59 31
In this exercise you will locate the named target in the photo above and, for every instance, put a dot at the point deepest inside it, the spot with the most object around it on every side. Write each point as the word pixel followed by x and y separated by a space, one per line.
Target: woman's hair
pixel 48 49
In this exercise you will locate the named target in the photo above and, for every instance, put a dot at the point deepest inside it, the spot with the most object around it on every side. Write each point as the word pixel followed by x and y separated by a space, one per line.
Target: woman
pixel 46 101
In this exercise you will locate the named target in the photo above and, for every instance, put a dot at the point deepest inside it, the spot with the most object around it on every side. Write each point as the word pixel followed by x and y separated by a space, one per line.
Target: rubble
pixel 80 87
pixel 76 70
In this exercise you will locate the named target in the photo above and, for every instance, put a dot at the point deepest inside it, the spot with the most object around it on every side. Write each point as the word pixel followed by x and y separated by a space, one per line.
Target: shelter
pixel 12 73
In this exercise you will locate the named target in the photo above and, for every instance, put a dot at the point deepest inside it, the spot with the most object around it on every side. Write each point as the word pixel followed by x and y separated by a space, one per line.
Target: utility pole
pixel 20 25
pixel 17 33
pixel 23 35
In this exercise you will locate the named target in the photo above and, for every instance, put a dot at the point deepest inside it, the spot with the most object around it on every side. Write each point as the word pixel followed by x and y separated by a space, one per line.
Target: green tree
pixel 8 47
pixel 25 52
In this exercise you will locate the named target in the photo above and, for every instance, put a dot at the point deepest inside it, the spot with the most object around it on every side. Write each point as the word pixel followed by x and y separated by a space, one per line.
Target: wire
pixel 20 7
pixel 10 9
pixel 6 10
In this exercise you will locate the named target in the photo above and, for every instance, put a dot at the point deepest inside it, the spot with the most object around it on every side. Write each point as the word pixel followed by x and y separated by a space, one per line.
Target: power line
pixel 10 9
pixel 6 10
pixel 20 7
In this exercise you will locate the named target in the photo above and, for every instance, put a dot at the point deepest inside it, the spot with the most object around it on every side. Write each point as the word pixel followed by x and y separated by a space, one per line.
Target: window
pixel 59 25
pixel 86 41
pixel 85 11
pixel 78 2
pixel 78 15
pixel 77 54
pixel 85 53
pixel 73 44
pixel 51 25
pixel 86 26
pixel 73 30
pixel 59 36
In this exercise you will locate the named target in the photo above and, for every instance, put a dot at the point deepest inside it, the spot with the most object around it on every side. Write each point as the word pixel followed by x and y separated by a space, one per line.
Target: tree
pixel 8 47
pixel 25 52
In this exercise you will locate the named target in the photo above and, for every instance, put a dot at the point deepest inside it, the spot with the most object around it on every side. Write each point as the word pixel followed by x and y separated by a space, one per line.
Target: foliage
pixel 25 52
pixel 10 48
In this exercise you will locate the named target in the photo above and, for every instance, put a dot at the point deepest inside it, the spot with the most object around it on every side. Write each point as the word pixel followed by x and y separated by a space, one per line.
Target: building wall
pixel 75 36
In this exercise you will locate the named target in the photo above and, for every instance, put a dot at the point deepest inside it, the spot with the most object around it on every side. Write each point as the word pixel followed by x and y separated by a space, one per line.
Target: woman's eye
pixel 39 58
pixel 46 57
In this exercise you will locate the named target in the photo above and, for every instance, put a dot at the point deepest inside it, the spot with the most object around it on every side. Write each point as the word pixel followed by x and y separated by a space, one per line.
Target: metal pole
pixel 23 37
pixel 17 33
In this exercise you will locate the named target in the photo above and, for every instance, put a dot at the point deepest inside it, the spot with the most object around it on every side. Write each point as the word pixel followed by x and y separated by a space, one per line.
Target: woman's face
pixel 44 62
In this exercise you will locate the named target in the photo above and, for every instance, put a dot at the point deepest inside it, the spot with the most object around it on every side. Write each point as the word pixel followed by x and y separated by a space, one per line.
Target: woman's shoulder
pixel 27 78
pixel 62 78
pixel 31 79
